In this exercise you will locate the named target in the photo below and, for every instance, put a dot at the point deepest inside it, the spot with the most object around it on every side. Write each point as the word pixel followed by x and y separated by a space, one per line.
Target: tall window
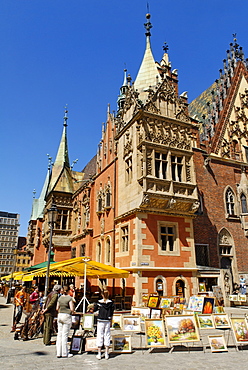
pixel 99 252
pixel 202 254
pixel 176 168
pixel 167 235
pixel 230 202
pixel 124 239
pixel 160 165
pixel 73 253
pixel 243 203
pixel 129 170
pixel 82 250
pixel 62 220
pixel 99 204
pixel 108 251
pixel 108 199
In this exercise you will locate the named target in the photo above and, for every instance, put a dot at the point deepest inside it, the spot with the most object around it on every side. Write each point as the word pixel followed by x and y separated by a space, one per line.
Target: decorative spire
pixel 65 116
pixel 148 25
pixel 148 72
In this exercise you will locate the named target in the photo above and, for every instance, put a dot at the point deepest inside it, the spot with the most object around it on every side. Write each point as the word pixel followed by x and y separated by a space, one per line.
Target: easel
pixel 84 296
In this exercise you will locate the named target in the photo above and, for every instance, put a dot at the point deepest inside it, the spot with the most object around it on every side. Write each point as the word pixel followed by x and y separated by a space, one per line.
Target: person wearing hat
pixel 50 312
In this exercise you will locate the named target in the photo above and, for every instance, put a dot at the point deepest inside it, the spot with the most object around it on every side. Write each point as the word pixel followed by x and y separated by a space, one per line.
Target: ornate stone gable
pixel 169 133
pixel 235 135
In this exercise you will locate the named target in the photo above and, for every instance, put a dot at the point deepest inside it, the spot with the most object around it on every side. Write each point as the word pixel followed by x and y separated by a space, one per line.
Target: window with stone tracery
pixel 243 203
pixel 176 168
pixel 129 170
pixel 230 202
pixel 160 165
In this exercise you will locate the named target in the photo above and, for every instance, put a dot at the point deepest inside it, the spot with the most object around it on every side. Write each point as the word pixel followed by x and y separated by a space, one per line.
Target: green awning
pixel 38 266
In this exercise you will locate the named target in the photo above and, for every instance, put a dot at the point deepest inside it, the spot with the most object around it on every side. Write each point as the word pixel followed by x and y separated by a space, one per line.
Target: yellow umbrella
pixel 76 266
pixel 80 266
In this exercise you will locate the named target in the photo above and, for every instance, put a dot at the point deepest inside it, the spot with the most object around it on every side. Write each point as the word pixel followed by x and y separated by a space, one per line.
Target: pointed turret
pixel 62 159
pixel 148 74
pixel 123 89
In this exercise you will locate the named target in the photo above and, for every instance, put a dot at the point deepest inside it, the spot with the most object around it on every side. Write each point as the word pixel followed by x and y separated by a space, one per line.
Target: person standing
pixel 20 300
pixel 65 308
pixel 105 308
pixel 34 298
pixel 50 312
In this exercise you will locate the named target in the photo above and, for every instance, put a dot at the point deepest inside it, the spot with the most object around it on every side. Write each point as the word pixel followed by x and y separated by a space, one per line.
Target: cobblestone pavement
pixel 32 354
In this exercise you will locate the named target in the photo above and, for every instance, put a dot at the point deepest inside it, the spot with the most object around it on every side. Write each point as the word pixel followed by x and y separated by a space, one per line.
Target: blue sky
pixel 58 52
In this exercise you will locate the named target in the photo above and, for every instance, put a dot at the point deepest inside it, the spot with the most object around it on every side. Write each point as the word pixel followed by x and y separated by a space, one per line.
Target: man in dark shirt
pixel 50 312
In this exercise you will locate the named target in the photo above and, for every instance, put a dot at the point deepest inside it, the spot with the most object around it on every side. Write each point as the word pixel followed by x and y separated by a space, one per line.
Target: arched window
pixel 108 251
pixel 99 252
pixel 108 199
pixel 230 205
pixel 243 203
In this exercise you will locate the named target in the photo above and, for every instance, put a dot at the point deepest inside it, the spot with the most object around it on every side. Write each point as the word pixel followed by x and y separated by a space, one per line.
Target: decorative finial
pixel 148 24
pixel 65 116
pixel 73 163
pixel 34 192
pixel 50 161
pixel 165 47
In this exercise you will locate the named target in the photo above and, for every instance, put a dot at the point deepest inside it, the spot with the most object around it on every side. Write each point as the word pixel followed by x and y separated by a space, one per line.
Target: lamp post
pixel 52 217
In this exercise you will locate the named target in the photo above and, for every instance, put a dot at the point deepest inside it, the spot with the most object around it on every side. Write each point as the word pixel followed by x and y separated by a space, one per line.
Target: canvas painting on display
pixel 233 297
pixel 241 297
pixel 75 321
pixel 205 321
pixel 155 313
pixel 76 343
pixel 90 344
pixel 217 291
pixel 165 302
pixel 219 309
pixel 181 329
pixel 155 333
pixel 116 322
pixel 142 312
pixel 121 343
pixel 88 321
pixel 240 329
pixel 196 303
pixel 217 343
pixel 221 321
pixel 130 323
pixel 153 301
pixel 202 287
pixel 208 305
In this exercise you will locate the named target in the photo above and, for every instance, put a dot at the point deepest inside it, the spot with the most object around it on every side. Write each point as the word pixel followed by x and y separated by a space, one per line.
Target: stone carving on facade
pixel 169 134
pixel 224 238
pixel 128 146
pixel 244 99
pixel 195 206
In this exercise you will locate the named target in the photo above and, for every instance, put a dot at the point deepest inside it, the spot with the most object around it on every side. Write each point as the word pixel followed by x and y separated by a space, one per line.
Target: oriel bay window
pixel 176 168
pixel 160 165
pixel 62 222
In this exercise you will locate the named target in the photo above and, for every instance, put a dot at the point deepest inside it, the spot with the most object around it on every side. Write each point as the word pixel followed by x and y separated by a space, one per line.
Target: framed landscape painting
pixel 154 333
pixel 75 321
pixel 242 297
pixel 181 329
pixel 121 343
pixel 221 321
pixel 142 312
pixel 131 323
pixel 205 321
pixel 217 343
pixel 240 329
pixel 116 322
pixel 165 302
